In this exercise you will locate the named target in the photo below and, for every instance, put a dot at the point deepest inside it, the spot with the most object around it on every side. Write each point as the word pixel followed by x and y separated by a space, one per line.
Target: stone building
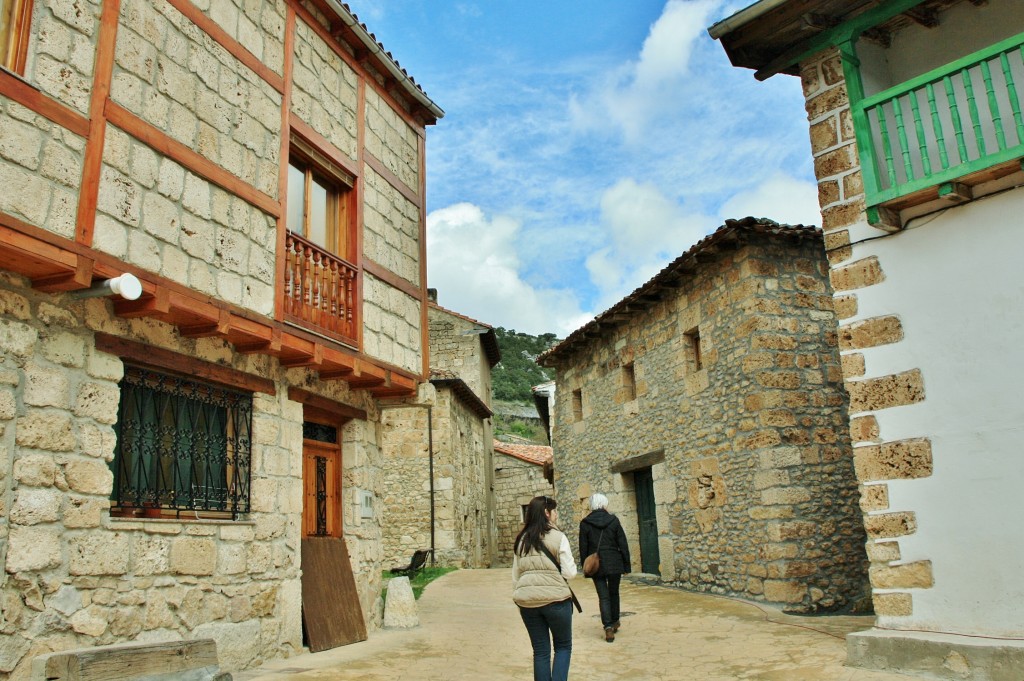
pixel 708 406
pixel 521 472
pixel 167 459
pixel 439 471
pixel 916 131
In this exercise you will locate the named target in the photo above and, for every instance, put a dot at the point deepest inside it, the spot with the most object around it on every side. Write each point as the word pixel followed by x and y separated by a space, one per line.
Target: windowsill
pixel 182 519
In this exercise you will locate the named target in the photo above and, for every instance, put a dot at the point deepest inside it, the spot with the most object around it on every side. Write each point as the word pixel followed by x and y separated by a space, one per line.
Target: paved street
pixel 470 629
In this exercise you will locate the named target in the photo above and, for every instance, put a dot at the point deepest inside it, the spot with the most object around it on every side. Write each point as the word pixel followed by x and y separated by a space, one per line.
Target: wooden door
pixel 650 559
pixel 321 489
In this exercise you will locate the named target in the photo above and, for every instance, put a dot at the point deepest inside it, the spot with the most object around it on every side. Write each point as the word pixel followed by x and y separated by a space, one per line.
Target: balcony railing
pixel 944 125
pixel 319 290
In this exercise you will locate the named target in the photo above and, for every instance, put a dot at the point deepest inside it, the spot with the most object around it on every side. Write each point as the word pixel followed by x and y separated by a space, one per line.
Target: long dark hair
pixel 535 526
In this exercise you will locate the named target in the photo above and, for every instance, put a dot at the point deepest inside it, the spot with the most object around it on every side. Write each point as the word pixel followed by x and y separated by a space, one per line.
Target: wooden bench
pixel 170 661
pixel 416 563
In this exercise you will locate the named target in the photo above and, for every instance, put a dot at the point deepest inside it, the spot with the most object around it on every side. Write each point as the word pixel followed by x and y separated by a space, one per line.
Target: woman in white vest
pixel 542 562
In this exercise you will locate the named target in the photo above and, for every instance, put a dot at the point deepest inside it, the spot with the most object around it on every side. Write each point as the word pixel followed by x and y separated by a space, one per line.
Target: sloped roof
pixel 669 279
pixel 489 340
pixel 351 25
pixel 535 454
pixel 442 378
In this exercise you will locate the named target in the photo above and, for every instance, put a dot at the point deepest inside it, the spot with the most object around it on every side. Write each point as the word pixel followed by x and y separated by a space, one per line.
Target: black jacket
pixel 614 550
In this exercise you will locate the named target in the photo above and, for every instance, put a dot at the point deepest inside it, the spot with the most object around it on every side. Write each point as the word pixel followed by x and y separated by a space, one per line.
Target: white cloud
pixel 474 264
pixel 638 91
pixel 645 231
pixel 781 198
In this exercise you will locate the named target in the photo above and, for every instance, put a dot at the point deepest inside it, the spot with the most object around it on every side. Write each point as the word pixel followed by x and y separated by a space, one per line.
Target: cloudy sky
pixel 586 143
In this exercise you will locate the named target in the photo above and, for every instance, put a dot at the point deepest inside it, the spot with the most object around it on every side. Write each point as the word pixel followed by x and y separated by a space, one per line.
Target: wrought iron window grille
pixel 183 446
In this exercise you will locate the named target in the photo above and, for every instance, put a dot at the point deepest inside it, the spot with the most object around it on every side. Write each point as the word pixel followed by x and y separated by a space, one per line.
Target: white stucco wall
pixel 957 283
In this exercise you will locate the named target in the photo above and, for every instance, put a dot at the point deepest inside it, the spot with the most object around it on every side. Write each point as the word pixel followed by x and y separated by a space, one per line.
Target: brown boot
pixel 615 627
pixel 609 634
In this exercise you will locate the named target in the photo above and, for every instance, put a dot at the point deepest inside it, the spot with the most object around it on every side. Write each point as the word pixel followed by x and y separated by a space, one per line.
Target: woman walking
pixel 541 563
pixel 601 533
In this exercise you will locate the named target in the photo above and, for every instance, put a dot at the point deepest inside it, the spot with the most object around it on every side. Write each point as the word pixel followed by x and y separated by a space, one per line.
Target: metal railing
pixel 319 290
pixel 944 125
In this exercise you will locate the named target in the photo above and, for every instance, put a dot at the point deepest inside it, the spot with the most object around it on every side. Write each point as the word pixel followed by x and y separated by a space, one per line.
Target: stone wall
pixel 515 483
pixel 752 466
pixel 391 325
pixel 392 141
pixel 455 350
pixel 75 576
pixel 156 214
pixel 324 93
pixel 841 195
pixel 61 63
pixel 392 234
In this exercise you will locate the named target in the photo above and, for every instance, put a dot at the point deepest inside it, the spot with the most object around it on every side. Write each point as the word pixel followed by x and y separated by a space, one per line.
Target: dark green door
pixel 650 561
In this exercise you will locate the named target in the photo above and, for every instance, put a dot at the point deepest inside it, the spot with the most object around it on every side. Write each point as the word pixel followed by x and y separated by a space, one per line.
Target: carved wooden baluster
pixel 317 290
pixel 289 273
pixel 307 288
pixel 332 311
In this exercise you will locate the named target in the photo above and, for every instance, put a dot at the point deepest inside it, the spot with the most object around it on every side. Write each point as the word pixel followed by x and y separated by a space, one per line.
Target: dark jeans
pixel 556 619
pixel 608 596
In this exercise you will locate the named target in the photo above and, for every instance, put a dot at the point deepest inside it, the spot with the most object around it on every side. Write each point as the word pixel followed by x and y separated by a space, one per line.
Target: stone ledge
pixel 943 656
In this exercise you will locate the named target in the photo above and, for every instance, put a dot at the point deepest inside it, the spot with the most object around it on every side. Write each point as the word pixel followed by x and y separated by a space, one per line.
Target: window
pixel 577 404
pixel 320 196
pixel 15 19
pixel 629 381
pixel 183 447
pixel 693 349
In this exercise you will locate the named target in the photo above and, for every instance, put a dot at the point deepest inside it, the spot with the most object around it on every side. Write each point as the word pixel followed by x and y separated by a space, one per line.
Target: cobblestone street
pixel 469 629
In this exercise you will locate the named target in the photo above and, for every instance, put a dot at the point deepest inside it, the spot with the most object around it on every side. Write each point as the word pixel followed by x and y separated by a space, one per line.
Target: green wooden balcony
pixel 924 136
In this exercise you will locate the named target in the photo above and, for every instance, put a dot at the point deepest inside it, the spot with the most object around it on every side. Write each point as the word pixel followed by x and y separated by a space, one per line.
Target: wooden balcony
pixel 320 291
pixel 939 133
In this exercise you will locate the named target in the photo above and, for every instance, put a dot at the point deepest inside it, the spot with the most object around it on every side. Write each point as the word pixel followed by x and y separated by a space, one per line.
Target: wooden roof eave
pixel 55 265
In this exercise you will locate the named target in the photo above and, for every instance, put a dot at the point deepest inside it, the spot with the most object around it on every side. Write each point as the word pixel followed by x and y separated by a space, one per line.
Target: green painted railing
pixel 943 125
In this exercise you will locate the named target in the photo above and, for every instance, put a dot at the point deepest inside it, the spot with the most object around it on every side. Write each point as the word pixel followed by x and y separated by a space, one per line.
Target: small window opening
pixel 629 381
pixel 694 349
pixel 577 404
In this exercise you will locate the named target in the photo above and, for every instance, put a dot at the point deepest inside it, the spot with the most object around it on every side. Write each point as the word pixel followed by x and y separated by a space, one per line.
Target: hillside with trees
pixel 512 379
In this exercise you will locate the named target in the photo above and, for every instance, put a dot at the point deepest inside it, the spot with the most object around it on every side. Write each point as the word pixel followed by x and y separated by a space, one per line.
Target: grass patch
pixel 420 580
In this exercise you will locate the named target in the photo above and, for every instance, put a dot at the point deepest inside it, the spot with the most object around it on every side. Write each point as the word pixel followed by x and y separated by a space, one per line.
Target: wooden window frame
pixel 19 34
pixel 341 217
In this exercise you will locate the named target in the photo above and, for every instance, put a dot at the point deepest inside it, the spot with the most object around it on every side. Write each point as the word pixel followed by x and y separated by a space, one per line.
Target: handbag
pixel 572 594
pixel 592 563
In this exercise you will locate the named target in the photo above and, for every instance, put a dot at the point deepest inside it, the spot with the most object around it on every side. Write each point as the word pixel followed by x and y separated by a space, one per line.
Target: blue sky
pixel 585 145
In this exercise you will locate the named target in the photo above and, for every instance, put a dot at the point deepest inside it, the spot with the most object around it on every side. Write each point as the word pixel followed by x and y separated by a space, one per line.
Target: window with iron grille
pixel 183 447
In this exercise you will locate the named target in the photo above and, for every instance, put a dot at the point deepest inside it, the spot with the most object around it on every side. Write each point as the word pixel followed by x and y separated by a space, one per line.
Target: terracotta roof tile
pixel 535 454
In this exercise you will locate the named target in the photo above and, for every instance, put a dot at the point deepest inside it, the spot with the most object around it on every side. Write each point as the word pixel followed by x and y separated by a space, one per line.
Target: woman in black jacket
pixel 601 532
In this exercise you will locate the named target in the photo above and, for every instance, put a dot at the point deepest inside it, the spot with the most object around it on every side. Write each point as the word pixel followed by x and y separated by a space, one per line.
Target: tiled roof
pixel 535 454
pixel 391 65
pixel 489 340
pixel 675 272
pixel 442 378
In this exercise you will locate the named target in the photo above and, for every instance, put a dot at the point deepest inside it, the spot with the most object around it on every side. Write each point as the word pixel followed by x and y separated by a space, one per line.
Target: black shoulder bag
pixel 558 566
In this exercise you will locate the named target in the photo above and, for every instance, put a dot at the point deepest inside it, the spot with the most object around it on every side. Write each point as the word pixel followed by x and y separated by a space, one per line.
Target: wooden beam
pixel 884 218
pixel 159 141
pixel 232 46
pixel 32 99
pixel 79 278
pixel 310 399
pixel 378 167
pixel 925 16
pixel 155 304
pixel 92 165
pixel 391 279
pixel 311 359
pixel 323 145
pixel 633 463
pixel 218 327
pixel 955 192
pixel 267 347
pixel 161 358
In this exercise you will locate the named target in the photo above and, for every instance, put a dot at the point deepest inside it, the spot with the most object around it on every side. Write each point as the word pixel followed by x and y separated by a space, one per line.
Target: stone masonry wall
pixel 405 514
pixel 156 214
pixel 40 169
pixel 756 494
pixel 461 354
pixel 841 196
pixel 390 139
pixel 324 92
pixel 181 81
pixel 391 325
pixel 515 483
pixel 392 234
pixel 63 56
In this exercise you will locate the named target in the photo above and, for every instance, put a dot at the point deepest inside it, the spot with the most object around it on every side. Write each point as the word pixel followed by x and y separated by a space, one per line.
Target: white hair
pixel 598 501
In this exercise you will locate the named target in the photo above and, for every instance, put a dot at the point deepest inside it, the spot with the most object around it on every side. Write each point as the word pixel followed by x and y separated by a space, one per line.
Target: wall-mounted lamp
pixel 127 286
